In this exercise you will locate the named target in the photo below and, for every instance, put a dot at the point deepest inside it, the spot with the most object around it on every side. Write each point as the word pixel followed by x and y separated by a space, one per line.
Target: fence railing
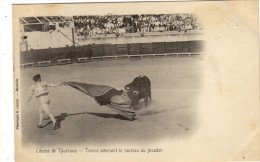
pixel 65 55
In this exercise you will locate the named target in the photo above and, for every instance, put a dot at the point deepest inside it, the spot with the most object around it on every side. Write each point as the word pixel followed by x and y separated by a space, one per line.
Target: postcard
pixel 136 81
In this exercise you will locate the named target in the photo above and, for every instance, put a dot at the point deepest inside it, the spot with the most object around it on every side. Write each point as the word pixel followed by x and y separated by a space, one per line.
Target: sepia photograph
pixel 119 62
pixel 135 81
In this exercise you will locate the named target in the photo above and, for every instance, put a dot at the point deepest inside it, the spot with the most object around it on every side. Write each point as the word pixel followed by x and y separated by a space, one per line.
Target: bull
pixel 139 88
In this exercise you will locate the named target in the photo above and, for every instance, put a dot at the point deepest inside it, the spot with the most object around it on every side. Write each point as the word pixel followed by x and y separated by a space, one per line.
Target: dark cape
pixel 103 95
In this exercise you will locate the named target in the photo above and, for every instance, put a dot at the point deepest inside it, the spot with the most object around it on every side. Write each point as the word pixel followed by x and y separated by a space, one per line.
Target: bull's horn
pixel 135 92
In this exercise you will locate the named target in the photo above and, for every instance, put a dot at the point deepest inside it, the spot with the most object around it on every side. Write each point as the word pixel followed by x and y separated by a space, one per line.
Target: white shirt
pixel 40 88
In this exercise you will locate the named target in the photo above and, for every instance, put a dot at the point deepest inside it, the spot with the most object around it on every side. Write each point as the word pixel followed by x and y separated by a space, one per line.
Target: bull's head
pixel 133 94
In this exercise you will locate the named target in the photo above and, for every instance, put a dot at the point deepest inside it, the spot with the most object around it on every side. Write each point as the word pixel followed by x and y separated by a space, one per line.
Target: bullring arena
pixel 171 59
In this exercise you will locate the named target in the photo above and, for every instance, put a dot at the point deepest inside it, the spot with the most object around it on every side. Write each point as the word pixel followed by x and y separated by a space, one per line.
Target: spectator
pixel 121 24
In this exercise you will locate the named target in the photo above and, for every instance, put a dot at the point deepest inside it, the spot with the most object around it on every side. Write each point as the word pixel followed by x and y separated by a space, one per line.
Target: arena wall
pixel 56 47
pixel 63 38
pixel 70 54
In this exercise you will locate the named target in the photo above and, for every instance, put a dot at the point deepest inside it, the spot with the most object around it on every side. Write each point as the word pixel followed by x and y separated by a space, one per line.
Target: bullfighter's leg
pixel 40 117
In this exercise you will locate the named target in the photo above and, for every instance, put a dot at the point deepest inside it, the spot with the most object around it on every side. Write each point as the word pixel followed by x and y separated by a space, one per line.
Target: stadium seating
pixel 134 23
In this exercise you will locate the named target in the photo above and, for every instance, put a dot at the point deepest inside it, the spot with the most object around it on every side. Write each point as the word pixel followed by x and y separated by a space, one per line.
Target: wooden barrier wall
pixel 53 56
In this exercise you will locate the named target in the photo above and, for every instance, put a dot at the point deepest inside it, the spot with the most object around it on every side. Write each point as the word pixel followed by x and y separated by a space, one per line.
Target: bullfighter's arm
pixel 30 94
pixel 55 84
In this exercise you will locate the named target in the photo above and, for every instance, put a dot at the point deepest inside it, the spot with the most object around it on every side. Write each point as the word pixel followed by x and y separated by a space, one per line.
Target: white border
pixel 6 72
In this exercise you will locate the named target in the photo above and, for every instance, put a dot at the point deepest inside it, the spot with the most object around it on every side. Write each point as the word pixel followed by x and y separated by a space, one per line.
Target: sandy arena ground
pixel 176 83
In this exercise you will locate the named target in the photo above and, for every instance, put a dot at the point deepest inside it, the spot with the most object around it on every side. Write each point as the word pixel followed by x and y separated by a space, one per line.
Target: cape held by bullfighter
pixel 116 100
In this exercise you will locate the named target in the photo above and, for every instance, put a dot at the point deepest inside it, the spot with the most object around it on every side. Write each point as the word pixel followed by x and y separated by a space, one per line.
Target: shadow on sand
pixel 62 117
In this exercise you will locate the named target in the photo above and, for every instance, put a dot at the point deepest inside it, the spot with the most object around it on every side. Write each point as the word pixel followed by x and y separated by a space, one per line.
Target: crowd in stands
pixel 120 24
